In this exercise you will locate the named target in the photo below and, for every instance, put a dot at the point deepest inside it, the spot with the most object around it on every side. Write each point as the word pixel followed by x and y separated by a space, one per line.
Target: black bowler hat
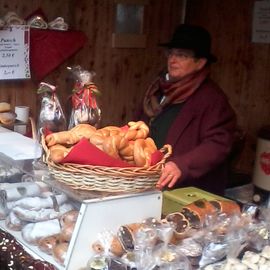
pixel 192 37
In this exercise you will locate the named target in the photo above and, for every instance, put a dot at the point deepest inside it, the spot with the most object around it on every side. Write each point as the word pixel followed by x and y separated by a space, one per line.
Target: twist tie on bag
pixel 46 87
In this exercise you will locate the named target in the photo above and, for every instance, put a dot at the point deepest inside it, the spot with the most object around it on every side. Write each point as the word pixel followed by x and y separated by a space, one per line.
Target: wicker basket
pixel 106 179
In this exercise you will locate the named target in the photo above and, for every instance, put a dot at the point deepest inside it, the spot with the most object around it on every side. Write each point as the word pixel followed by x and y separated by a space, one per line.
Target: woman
pixel 186 109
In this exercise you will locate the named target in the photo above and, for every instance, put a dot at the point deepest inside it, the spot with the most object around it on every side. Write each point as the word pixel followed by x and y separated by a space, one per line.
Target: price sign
pixel 14 52
pixel 261 22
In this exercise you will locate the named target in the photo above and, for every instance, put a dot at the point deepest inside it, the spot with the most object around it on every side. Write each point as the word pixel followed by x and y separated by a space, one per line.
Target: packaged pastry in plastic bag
pixel 105 259
pixel 167 256
pixel 226 237
pixel 144 243
pixel 85 108
pixel 51 115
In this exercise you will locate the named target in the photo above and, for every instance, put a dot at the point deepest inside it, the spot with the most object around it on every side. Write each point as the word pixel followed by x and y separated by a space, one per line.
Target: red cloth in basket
pixel 86 153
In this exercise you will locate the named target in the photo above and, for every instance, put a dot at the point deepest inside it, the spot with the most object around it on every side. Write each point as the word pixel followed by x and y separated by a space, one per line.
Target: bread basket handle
pixel 34 128
pixel 166 150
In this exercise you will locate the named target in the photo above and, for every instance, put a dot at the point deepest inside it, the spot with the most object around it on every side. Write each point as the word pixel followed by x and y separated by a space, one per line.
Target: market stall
pixel 82 197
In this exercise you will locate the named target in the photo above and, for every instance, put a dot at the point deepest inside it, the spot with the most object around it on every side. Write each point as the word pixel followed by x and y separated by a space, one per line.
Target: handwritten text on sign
pixel 261 22
pixel 14 52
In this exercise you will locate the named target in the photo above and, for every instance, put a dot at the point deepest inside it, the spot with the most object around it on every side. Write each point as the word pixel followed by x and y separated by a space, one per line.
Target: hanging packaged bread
pixel 7 116
pixel 84 103
pixel 125 153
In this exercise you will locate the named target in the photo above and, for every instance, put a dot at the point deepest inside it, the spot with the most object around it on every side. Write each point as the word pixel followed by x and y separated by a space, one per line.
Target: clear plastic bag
pixel 167 257
pixel 85 108
pixel 105 260
pixel 226 238
pixel 149 255
pixel 51 115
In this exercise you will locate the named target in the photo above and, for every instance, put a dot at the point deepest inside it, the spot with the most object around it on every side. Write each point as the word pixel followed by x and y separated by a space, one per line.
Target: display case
pixel 98 212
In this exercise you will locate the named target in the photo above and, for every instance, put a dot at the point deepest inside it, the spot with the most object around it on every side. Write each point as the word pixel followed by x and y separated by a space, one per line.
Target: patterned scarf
pixel 171 92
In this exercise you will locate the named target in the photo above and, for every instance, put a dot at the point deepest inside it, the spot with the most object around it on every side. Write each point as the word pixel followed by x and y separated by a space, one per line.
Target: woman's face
pixel 182 62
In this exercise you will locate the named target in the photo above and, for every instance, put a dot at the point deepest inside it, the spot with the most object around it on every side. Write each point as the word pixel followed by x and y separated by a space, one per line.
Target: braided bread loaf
pixel 131 145
pixel 137 130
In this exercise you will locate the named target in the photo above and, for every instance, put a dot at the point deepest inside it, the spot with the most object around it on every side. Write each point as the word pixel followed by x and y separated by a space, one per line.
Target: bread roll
pixel 5 107
pixel 58 152
pixel 60 251
pixel 116 247
pixel 46 244
pixel 71 136
pixel 67 231
pixel 7 118
pixel 69 217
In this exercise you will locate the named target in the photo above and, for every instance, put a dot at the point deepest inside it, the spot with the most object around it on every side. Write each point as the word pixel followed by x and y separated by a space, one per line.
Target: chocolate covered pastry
pixel 126 235
pixel 179 220
pixel 197 211
pixel 226 207
pixel 193 218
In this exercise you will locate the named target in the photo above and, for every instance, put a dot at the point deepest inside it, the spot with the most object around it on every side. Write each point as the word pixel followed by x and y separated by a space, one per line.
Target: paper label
pixel 14 52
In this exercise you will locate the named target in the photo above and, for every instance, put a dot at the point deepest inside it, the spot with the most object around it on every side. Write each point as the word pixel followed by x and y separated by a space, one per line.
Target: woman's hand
pixel 169 176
